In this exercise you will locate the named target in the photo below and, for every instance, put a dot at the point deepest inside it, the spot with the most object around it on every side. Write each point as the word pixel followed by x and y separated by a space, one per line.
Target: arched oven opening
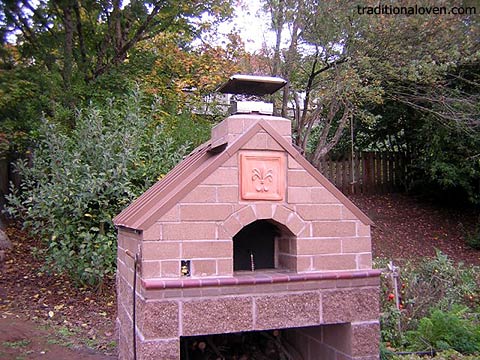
pixel 260 245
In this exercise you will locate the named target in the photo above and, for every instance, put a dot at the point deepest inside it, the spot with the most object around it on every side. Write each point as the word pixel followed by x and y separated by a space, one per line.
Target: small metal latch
pixel 252 261
pixel 185 267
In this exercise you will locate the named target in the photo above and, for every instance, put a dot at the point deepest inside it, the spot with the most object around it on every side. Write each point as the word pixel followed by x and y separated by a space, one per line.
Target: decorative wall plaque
pixel 262 175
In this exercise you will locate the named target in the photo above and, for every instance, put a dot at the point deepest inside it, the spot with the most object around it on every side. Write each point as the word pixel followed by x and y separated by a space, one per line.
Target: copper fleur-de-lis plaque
pixel 262 175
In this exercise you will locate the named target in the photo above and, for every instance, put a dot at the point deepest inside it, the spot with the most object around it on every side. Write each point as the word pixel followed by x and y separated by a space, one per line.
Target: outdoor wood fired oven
pixel 245 235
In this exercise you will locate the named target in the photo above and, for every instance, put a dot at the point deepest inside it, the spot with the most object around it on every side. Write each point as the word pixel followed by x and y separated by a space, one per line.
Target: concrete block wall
pixel 334 316
pixel 127 241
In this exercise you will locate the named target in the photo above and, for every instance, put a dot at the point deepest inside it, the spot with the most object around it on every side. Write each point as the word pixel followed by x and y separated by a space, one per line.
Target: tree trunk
pixel 82 63
pixel 324 145
pixel 290 57
pixel 68 56
pixel 68 47
pixel 278 20
pixel 117 26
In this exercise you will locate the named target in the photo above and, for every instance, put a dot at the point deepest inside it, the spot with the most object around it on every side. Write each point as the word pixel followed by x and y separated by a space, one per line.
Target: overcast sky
pixel 252 25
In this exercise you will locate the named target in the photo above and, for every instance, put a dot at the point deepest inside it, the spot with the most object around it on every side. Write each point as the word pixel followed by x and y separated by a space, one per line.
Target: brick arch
pixel 252 212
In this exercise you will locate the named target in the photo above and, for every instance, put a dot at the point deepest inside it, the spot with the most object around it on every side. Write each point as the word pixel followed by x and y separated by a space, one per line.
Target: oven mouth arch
pixel 260 245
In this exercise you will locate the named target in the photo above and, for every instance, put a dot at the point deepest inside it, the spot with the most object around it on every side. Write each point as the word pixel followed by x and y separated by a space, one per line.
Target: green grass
pixel 24 356
pixel 91 343
pixel 61 342
pixel 16 344
pixel 62 336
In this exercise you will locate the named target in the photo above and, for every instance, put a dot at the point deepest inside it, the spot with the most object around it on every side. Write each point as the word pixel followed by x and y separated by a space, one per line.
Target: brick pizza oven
pixel 245 235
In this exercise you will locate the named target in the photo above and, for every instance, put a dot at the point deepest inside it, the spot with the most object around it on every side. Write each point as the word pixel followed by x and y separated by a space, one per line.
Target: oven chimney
pixel 248 107
pixel 248 92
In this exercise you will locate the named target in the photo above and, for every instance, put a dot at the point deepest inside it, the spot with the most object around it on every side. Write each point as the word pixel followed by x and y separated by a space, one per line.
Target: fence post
pixel 370 172
pixel 378 173
pixel 358 184
pixel 390 161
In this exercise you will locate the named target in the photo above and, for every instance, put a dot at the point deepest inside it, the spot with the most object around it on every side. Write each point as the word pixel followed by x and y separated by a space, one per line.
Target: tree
pixel 192 73
pixel 323 91
pixel 97 35
pixel 75 43
pixel 444 155
pixel 389 76
pixel 65 67
pixel 339 61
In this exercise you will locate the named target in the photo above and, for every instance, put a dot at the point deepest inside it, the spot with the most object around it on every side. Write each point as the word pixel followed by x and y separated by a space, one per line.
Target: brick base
pixel 159 349
pixel 337 341
pixel 328 319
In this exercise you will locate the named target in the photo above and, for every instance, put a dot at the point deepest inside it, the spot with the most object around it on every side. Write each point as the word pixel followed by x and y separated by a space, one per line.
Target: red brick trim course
pixel 255 279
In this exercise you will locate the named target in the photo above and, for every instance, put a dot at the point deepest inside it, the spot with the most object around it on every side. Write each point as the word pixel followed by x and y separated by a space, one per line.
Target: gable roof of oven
pixel 200 163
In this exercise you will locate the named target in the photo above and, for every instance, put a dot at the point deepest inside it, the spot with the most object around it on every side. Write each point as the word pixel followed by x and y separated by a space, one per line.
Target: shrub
pixel 390 319
pixel 390 316
pixel 427 286
pixel 447 330
pixel 438 282
pixel 472 238
pixel 80 179
pixel 444 355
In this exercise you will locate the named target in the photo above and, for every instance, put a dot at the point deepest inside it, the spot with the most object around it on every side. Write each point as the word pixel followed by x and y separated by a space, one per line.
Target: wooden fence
pixel 369 172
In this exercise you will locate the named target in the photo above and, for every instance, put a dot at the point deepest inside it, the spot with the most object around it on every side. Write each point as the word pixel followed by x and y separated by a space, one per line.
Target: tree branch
pixel 323 148
pixel 122 52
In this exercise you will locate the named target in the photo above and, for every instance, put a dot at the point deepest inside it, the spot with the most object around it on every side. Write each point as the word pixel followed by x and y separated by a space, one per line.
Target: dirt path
pixel 20 339
pixel 44 316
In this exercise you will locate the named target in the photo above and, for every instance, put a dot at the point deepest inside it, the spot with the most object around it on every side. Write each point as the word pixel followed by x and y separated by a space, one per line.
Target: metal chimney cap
pixel 252 85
